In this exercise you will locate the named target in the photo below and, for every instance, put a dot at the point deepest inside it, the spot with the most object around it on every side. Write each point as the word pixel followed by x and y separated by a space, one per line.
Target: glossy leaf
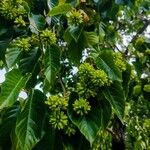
pixel 75 32
pixel 60 9
pixel 37 22
pixel 11 88
pixel 3 45
pixel 115 95
pixel 90 38
pixel 91 123
pixel 105 62
pixel 29 61
pixel 9 120
pixel 75 52
pixel 12 56
pixel 30 122
pixel 52 64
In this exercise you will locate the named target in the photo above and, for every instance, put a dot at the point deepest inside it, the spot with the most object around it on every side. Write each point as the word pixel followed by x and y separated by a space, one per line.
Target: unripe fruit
pixel 119 61
pixel 146 88
pixel 147 51
pixel 48 36
pixel 119 13
pixel 81 106
pixel 58 120
pixel 75 17
pixel 111 28
pixel 137 90
pixel 139 41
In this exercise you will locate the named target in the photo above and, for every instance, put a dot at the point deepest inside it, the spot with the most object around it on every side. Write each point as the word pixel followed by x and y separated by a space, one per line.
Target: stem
pixel 140 31
pixel 63 87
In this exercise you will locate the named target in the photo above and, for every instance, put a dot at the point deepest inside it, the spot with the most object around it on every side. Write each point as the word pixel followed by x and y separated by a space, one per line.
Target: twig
pixel 140 31
pixel 63 87
pixel 111 132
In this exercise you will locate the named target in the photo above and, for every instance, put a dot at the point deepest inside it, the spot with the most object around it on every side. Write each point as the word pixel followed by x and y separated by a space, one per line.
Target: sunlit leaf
pixel 60 9
pixel 30 121
pixel 11 88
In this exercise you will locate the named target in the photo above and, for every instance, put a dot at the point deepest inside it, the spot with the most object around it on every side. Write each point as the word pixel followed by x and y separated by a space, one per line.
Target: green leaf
pixel 105 62
pixel 11 87
pixel 28 63
pixel 90 38
pixel 75 52
pixel 60 9
pixel 30 122
pixel 67 36
pixel 12 55
pixel 3 45
pixel 75 32
pixel 37 22
pixel 52 63
pixel 9 120
pixel 115 95
pixel 91 123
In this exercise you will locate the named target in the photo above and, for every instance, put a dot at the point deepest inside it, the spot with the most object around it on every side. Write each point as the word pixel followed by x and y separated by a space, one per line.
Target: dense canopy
pixel 90 60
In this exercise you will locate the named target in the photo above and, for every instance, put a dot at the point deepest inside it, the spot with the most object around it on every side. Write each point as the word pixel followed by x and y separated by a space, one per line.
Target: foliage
pixel 91 60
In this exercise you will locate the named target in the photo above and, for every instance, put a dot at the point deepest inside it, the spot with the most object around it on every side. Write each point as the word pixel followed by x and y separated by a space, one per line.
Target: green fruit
pixel 139 41
pixel 111 28
pixel 75 17
pixel 58 119
pixel 137 90
pixel 81 106
pixel 119 61
pixel 146 88
pixel 119 13
pixel 147 51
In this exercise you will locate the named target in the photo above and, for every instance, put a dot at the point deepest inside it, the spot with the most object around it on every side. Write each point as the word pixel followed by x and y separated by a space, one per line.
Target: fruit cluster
pixel 14 10
pixel 48 36
pixel 70 129
pixel 90 80
pixel 75 17
pixel 81 106
pixel 22 43
pixel 119 61
pixel 58 119
pixel 58 114
pixel 57 105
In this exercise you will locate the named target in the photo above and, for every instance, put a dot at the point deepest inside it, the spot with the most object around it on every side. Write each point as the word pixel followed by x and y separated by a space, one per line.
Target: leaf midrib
pixel 11 93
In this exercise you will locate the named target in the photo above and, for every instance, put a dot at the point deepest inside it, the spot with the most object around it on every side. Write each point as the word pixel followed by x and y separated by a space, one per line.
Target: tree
pixel 91 60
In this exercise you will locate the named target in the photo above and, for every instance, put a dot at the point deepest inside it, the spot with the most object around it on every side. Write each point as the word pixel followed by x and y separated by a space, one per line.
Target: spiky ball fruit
pixel 75 17
pixel 81 106
pixel 48 36
pixel 56 102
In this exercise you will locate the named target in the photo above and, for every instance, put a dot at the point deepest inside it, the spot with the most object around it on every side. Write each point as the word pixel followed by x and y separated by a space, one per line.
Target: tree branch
pixel 63 87
pixel 140 31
